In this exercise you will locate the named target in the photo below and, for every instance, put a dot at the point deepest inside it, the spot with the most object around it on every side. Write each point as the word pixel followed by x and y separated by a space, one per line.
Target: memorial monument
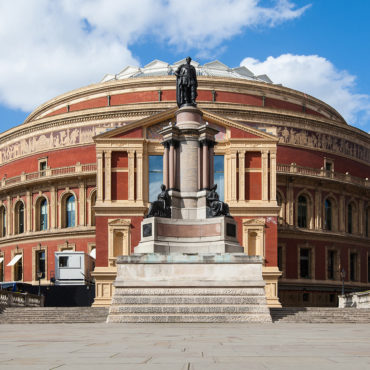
pixel 189 265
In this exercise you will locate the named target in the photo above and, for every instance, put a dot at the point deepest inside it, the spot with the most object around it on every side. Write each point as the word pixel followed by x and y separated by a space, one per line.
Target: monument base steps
pixel 189 288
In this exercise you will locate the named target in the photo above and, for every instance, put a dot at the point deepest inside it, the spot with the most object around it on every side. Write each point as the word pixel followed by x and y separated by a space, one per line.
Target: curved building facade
pixel 79 173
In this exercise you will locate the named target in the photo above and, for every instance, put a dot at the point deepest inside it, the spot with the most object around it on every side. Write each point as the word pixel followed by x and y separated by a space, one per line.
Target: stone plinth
pixel 189 288
pixel 212 235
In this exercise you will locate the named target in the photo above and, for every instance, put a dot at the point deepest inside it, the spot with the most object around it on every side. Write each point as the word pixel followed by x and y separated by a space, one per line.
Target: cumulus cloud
pixel 49 47
pixel 318 77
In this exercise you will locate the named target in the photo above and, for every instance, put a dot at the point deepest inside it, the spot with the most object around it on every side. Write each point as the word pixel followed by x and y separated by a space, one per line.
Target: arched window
pixel 2 221
pixel 19 218
pixel 302 211
pixel 43 214
pixel 328 215
pixel 349 218
pixel 70 211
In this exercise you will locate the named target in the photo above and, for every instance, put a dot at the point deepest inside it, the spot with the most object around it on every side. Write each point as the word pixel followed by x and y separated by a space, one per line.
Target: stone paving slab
pixel 185 346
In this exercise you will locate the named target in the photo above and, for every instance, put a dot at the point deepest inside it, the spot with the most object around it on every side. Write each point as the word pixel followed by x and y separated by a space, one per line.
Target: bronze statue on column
pixel 186 84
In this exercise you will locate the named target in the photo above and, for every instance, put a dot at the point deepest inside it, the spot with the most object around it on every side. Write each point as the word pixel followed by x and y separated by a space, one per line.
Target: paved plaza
pixel 185 346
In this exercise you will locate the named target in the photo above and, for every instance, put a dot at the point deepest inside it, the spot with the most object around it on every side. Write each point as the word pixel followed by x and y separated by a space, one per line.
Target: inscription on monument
pixel 147 230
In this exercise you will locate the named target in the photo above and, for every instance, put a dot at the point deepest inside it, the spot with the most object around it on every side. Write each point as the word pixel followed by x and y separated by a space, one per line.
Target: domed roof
pixel 159 68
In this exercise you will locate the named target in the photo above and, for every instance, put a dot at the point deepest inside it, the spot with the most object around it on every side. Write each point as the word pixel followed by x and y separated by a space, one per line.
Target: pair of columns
pixel 170 160
pixel 205 164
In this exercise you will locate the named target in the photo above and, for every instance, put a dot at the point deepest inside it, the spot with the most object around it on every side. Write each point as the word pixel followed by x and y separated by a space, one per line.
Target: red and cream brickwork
pixel 276 142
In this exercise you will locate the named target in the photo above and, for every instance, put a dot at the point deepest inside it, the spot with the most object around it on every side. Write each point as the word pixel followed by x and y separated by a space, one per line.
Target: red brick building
pixel 79 172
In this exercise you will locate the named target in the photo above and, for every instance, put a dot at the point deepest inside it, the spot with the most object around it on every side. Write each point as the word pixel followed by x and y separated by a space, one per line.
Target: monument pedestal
pixel 189 267
pixel 218 287
pixel 208 235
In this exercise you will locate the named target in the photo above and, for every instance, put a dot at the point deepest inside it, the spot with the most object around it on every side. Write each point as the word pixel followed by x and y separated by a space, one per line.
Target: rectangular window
pixel 63 261
pixel 331 264
pixel 353 266
pixel 304 262
pixel 155 176
pixel 18 270
pixel 40 265
pixel 43 164
pixel 219 175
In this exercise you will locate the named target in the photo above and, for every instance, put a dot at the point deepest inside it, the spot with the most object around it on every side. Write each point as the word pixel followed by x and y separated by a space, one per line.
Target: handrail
pixel 294 169
pixel 47 173
pixel 12 299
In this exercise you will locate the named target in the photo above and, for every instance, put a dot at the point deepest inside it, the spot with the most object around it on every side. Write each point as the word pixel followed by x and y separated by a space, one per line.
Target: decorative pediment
pixel 119 222
pixel 254 222
pixel 238 130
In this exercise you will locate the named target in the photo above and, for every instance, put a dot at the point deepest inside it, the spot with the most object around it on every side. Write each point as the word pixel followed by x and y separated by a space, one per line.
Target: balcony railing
pixel 294 169
pixel 49 174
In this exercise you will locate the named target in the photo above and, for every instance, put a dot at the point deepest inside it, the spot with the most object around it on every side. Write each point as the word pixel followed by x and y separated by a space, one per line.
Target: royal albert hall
pixel 79 173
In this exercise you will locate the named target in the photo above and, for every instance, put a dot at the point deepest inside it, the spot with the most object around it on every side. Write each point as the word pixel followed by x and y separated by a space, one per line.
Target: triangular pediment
pixel 133 130
pixel 119 222
pixel 254 222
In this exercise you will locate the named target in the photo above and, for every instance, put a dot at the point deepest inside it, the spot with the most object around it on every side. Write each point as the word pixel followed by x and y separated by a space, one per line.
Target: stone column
pixel 273 176
pixel 108 175
pixel 205 165
pixel 172 166
pixel 342 214
pixel 318 210
pixel 227 178
pixel 131 176
pixel 241 155
pixel 165 164
pixel 139 176
pixel 233 176
pixel 264 155
pixel 99 176
pixel 82 203
pixel 10 216
pixel 290 204
pixel 211 165
pixel 29 212
pixel 175 167
pixel 53 207
pixel 200 169
pixel 361 217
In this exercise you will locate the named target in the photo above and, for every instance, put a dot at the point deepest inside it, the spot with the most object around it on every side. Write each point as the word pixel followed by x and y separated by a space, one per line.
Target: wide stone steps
pixel 188 300
pixel 44 315
pixel 189 305
pixel 320 315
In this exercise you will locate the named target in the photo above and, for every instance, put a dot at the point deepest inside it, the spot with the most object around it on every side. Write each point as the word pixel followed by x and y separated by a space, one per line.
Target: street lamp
pixel 39 276
pixel 342 275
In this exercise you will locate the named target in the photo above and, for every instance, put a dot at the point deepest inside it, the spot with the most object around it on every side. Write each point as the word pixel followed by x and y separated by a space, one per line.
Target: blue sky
pixel 320 47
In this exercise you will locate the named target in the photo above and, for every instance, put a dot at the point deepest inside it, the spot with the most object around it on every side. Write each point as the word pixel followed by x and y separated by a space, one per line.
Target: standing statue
pixel 186 84
pixel 162 206
pixel 216 206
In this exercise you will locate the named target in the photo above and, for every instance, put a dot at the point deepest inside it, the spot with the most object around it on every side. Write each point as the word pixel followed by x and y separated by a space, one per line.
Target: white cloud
pixel 49 47
pixel 318 77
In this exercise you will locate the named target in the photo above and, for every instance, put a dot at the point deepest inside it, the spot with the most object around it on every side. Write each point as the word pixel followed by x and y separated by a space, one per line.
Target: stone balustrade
pixel 12 299
pixel 294 169
pixel 48 174
pixel 357 300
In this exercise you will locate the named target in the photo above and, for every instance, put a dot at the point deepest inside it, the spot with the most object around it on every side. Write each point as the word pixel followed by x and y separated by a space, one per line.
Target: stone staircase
pixel 53 315
pixel 320 315
pixel 189 305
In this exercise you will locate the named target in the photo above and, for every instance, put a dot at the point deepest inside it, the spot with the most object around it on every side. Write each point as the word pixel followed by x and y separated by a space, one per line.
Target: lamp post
pixel 39 276
pixel 342 275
